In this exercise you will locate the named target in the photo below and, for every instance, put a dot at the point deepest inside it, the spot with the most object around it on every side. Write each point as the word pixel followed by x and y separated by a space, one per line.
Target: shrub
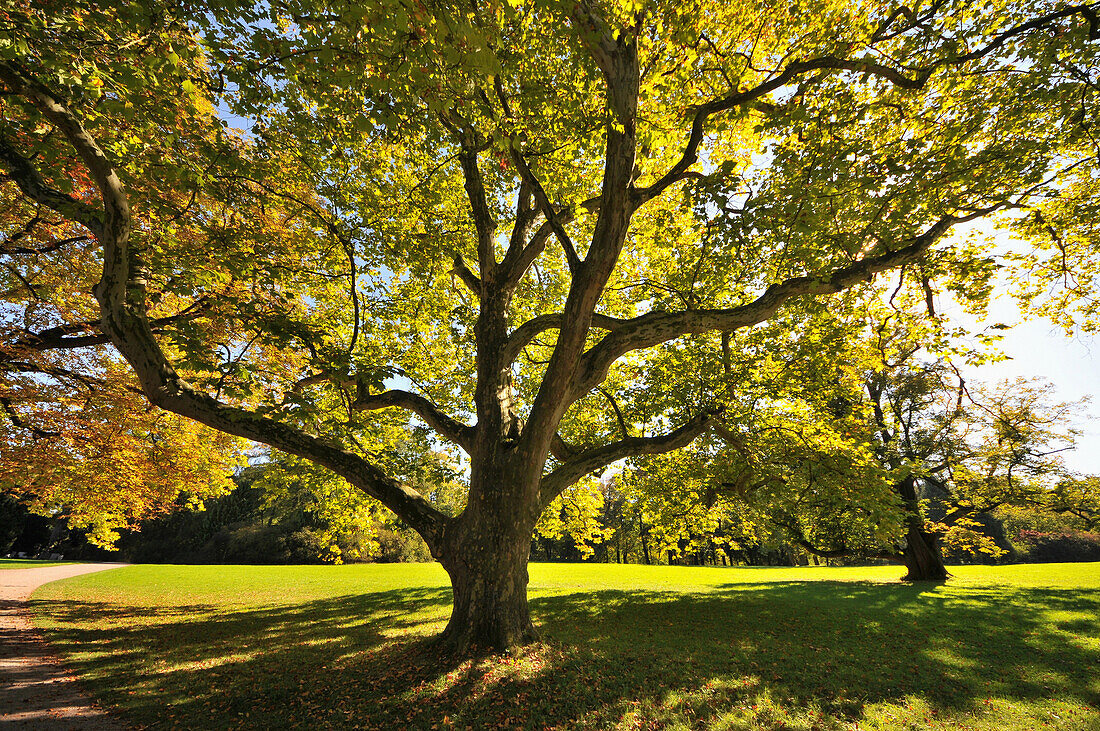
pixel 401 545
pixel 1058 547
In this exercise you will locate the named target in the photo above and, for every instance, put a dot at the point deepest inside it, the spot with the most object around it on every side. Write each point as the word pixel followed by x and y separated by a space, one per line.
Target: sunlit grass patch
pixel 29 563
pixel 624 647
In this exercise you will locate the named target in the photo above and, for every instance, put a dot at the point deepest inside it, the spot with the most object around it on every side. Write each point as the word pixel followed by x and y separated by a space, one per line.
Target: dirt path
pixel 36 692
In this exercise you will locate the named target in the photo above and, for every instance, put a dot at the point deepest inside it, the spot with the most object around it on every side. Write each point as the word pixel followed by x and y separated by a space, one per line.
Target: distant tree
pixel 963 452
pixel 856 440
pixel 1079 497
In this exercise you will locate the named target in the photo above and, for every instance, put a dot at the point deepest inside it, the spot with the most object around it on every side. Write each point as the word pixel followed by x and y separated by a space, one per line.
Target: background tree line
pixel 282 512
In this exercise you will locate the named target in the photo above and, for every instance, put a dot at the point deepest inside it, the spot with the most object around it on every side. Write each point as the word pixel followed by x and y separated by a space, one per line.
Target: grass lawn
pixel 29 563
pixel 1013 647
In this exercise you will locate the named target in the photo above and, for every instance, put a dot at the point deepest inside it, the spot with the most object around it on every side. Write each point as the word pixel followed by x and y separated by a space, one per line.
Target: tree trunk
pixel 485 552
pixel 489 584
pixel 922 555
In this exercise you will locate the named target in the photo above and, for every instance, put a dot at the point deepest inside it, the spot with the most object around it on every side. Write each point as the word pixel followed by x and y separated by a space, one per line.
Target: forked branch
pixel 548 212
pixel 448 428
pixel 916 79
pixel 654 328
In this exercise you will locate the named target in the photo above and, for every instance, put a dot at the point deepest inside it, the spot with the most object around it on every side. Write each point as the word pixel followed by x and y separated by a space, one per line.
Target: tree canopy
pixel 497 221
pixel 95 454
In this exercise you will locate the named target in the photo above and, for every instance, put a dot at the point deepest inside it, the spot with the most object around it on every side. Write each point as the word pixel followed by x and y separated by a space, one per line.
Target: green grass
pixel 1014 647
pixel 29 563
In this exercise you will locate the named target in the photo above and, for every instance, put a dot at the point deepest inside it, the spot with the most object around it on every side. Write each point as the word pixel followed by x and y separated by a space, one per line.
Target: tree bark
pixel 922 556
pixel 488 571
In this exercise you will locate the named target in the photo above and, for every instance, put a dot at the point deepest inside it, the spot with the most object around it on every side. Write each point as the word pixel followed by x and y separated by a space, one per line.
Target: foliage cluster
pixel 101 459
pixel 1059 547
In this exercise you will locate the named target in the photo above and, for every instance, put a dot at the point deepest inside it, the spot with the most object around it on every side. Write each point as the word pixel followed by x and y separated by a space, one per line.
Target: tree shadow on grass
pixel 839 646
pixel 364 661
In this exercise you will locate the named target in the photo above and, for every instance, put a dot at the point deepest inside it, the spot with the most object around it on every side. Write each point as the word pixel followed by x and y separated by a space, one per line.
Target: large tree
pixel 508 206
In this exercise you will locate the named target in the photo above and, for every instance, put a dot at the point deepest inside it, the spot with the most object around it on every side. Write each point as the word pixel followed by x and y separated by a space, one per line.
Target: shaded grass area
pixel 625 647
pixel 29 563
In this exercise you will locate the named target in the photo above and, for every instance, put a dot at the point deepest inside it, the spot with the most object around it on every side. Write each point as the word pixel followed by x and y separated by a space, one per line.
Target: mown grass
pixel 29 563
pixel 1015 647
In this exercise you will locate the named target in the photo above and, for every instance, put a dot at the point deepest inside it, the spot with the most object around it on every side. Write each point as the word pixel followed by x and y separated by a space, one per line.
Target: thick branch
pixel 121 296
pixel 450 429
pixel 653 328
pixel 101 169
pixel 522 336
pixel 1085 10
pixel 609 233
pixel 597 458
pixel 484 223
pixel 460 270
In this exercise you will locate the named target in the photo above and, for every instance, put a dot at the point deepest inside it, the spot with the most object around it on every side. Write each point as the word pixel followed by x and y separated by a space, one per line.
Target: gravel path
pixel 36 692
